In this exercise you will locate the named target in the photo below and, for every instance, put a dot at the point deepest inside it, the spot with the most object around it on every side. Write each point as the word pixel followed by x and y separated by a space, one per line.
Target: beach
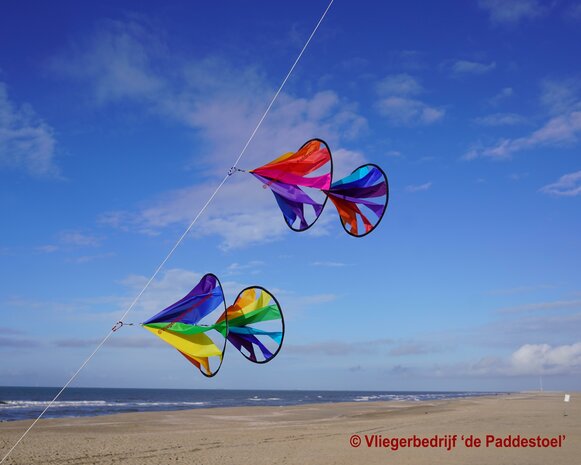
pixel 442 432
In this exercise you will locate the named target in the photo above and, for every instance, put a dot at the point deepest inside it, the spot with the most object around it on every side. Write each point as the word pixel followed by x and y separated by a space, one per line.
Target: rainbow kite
pixel 305 177
pixel 199 325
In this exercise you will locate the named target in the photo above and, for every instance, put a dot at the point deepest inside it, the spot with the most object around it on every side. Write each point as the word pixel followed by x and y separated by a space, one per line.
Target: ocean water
pixel 20 403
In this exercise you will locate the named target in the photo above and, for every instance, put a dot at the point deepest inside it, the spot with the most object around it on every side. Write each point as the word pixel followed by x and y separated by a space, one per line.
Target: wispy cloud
pixel 568 185
pixel 414 348
pixel 539 306
pixel 501 119
pixel 558 131
pixel 561 96
pixel 223 104
pixel 7 341
pixel 27 143
pixel 418 187
pixel 399 84
pixel 459 68
pixel 78 238
pixel 339 348
pixel 397 105
pixel 48 248
pixel 408 60
pixel 127 342
pixel 511 11
pixel 573 12
pixel 329 264
pixel 526 360
pixel 394 154
pixel 90 258
pixel 504 94
pixel 519 289
pixel 117 60
pixel 561 100
pixel 252 267
pixel 403 111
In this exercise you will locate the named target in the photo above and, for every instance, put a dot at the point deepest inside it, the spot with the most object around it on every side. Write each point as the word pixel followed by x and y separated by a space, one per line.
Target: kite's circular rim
pixel 281 321
pixel 226 318
pixel 386 202
pixel 322 190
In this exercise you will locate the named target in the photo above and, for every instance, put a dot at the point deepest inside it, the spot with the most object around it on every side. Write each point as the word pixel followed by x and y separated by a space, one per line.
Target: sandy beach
pixel 316 434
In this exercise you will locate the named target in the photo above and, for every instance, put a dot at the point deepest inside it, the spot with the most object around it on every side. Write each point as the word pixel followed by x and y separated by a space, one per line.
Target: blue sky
pixel 118 119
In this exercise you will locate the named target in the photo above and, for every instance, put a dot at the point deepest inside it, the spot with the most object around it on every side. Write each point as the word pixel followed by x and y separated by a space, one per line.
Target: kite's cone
pixel 301 184
pixel 199 325
pixel 361 199
pixel 256 325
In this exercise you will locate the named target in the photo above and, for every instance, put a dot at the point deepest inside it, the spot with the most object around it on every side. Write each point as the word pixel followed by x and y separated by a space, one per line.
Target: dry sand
pixel 311 434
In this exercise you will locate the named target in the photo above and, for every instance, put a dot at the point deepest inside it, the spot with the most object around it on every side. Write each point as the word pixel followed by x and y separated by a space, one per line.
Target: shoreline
pixel 28 403
pixel 314 433
pixel 401 404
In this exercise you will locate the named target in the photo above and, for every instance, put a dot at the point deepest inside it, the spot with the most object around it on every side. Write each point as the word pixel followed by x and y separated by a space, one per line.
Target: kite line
pixel 231 171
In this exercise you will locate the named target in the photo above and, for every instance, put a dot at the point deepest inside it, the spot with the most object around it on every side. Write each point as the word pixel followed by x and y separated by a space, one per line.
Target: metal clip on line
pixel 120 324
pixel 234 169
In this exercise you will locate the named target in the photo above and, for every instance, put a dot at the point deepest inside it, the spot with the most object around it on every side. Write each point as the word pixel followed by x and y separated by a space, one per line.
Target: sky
pixel 118 120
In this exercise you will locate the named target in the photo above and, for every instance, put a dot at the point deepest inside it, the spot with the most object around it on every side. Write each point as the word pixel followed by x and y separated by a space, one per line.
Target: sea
pixel 22 403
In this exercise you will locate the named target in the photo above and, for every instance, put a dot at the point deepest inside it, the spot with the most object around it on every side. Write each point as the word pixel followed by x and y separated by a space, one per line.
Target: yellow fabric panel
pixel 248 302
pixel 196 346
pixel 281 158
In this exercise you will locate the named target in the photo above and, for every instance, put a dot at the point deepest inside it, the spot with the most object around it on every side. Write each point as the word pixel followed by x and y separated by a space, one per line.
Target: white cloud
pixel 557 304
pixel 78 238
pixel 414 348
pixel 462 67
pixel 117 61
pixel 527 360
pixel 338 348
pixel 418 187
pixel 345 161
pixel 394 154
pixel 561 96
pixel 558 131
pixel 397 105
pixel 403 111
pixel 90 258
pixel 252 267
pixel 223 104
pixel 501 119
pixel 568 185
pixel 48 248
pixel 241 214
pixel 505 93
pixel 511 11
pixel 26 142
pixel 574 12
pixel 533 359
pixel 329 264
pixel 399 84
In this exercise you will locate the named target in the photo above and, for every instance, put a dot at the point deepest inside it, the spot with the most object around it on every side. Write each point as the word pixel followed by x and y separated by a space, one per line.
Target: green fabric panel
pixel 270 312
pixel 187 329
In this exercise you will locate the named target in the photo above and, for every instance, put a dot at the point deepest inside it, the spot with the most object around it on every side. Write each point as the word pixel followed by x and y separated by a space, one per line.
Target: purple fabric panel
pixel 288 191
pixel 240 343
pixel 291 200
pixel 349 190
pixel 200 301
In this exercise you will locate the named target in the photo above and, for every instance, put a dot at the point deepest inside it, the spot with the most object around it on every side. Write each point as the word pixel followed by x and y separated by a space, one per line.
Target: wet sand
pixel 310 434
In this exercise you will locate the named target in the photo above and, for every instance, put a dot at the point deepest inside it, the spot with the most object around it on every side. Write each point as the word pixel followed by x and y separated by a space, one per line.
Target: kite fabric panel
pixel 199 324
pixel 256 325
pixel 302 182
pixel 297 180
pixel 361 199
